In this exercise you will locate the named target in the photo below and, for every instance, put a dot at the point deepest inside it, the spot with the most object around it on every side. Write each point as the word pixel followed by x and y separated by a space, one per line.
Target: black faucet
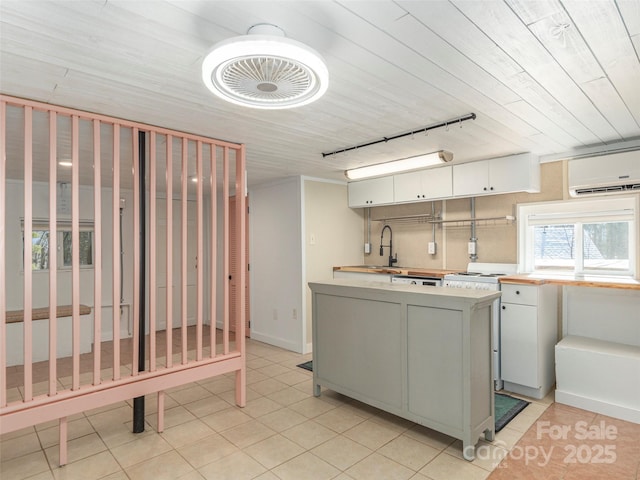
pixel 392 259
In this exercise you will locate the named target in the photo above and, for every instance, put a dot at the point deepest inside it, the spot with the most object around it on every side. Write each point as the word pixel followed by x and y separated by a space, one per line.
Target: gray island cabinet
pixel 421 353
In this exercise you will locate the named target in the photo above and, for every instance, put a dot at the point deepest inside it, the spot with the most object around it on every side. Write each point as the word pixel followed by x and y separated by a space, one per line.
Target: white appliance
pixel 485 276
pixel 605 174
pixel 416 280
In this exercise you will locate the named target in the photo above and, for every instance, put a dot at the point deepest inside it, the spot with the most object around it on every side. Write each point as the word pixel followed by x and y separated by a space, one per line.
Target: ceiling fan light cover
pixel 265 71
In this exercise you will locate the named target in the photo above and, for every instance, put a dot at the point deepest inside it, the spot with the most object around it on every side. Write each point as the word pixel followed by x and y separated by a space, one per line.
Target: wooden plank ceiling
pixel 541 76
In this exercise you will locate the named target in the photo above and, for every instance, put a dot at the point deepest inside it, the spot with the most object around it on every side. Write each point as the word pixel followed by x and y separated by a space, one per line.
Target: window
pixel 40 245
pixel 579 237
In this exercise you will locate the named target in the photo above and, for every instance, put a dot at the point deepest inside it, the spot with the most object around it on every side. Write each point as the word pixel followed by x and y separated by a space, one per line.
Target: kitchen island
pixel 422 353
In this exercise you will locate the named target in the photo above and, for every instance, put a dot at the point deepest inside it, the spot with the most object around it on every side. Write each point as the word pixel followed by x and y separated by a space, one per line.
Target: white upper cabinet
pixel 515 173
pixel 372 192
pixel 423 185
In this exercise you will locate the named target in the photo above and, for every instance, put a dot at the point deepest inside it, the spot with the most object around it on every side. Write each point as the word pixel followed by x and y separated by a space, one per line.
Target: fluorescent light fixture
pixel 65 163
pixel 264 69
pixel 402 165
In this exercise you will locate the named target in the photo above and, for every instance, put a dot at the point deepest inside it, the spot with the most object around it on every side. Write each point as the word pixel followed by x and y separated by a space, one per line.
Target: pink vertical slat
pixel 169 242
pixel 241 237
pixel 183 246
pixel 136 252
pixel 53 257
pixel 97 256
pixel 225 204
pixel 213 250
pixel 28 217
pixel 199 263
pixel 160 411
pixel 153 284
pixel 3 282
pixel 75 249
pixel 62 436
pixel 116 251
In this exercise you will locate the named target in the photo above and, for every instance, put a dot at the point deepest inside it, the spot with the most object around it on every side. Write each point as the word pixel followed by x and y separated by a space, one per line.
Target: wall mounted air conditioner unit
pixel 606 174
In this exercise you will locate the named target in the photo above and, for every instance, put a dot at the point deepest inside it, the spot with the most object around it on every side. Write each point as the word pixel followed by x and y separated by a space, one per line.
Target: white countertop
pixel 461 293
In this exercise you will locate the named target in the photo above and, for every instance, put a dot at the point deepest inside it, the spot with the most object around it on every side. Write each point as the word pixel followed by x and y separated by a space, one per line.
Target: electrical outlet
pixel 471 248
pixel 432 248
pixel 367 248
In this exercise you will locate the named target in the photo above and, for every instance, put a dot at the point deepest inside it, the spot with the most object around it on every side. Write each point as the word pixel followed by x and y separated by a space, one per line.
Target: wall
pixel 332 233
pixel 496 240
pixel 276 263
pixel 299 229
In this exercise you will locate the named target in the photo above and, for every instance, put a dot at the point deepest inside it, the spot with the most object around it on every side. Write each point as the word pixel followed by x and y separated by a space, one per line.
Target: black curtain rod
pixel 464 118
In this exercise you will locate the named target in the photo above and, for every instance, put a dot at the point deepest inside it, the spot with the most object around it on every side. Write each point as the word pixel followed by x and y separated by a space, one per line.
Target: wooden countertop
pixel 573 280
pixel 523 279
pixel 415 271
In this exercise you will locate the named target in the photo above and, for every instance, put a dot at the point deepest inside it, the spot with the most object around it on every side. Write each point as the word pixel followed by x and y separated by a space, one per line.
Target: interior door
pixel 233 268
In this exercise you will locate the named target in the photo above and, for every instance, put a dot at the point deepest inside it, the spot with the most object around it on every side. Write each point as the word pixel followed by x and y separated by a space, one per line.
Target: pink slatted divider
pixel 75 249
pixel 115 271
pixel 28 275
pixel 136 251
pixel 58 403
pixel 199 249
pixel 169 257
pixel 3 236
pixel 227 250
pixel 152 251
pixel 241 211
pixel 53 246
pixel 183 249
pixel 213 265
pixel 97 262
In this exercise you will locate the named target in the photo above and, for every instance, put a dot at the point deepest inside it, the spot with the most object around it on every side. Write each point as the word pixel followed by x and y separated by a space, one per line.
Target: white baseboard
pixel 616 411
pixel 275 341
pixel 308 348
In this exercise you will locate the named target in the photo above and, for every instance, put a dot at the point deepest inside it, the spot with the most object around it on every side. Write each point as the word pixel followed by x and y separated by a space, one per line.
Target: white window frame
pixel 581 211
pixel 61 227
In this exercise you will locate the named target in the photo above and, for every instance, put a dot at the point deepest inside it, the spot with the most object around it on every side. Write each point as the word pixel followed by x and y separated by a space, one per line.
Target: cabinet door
pixel 510 174
pixel 423 185
pixel 519 344
pixel 471 178
pixel 435 364
pixel 407 187
pixel 367 193
pixel 437 182
pixel 358 346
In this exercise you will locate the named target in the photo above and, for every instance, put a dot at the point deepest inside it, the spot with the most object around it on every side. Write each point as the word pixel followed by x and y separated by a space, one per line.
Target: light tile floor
pixel 282 433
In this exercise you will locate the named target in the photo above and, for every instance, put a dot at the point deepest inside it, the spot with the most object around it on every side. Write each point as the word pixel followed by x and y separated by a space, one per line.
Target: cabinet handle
pixel 491 188
pixel 503 307
pixel 517 292
pixel 418 196
pixel 485 189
